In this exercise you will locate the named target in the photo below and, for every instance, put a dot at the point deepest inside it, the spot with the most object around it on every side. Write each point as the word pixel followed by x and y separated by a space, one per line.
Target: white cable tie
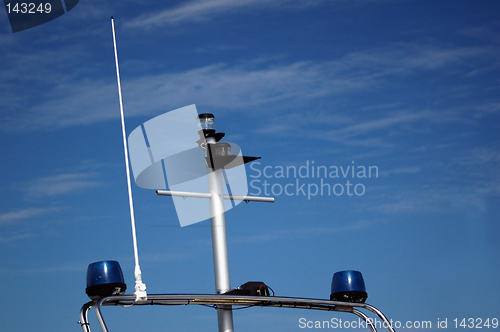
pixel 140 292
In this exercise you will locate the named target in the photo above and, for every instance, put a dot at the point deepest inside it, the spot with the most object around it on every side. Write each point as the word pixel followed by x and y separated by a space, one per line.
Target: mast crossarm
pixel 186 194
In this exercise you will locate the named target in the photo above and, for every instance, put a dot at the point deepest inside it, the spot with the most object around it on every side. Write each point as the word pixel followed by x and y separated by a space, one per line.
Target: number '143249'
pixel 29 8
pixel 476 323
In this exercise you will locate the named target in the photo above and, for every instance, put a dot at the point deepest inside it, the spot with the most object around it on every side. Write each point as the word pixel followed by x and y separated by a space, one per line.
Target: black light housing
pixel 206 128
pixel 206 121
pixel 348 286
pixel 105 278
pixel 219 155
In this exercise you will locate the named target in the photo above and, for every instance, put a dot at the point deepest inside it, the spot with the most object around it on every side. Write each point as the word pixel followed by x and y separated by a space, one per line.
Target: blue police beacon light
pixel 348 286
pixel 105 278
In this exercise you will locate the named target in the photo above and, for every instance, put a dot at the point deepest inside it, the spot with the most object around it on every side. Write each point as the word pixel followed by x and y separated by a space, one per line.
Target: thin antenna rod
pixel 140 288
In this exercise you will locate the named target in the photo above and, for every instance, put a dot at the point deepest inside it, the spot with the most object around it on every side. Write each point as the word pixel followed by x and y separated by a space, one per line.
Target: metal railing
pixel 230 300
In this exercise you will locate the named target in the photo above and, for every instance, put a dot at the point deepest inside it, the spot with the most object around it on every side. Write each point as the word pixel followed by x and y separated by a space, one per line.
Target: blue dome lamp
pixel 348 286
pixel 105 278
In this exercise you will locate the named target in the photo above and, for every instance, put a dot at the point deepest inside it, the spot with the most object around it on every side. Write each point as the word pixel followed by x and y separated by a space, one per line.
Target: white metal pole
pixel 219 240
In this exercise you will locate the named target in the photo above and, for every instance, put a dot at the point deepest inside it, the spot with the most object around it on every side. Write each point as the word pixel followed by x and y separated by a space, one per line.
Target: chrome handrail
pixel 234 300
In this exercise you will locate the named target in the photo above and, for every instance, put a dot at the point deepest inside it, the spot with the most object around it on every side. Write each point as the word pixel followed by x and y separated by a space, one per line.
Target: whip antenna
pixel 140 287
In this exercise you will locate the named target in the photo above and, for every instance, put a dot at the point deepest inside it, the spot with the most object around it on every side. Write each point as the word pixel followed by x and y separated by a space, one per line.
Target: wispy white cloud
pixel 402 170
pixel 432 57
pixel 166 257
pixel 207 10
pixel 438 199
pixel 220 85
pixel 204 10
pixel 14 224
pixel 70 267
pixel 478 156
pixel 23 214
pixel 488 108
pixel 67 101
pixel 8 239
pixel 275 128
pixel 306 232
pixel 61 184
pixel 61 268
pixel 488 32
pixel 378 124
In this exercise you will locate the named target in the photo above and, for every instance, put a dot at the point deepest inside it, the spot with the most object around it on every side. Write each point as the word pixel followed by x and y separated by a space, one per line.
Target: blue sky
pixel 410 87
